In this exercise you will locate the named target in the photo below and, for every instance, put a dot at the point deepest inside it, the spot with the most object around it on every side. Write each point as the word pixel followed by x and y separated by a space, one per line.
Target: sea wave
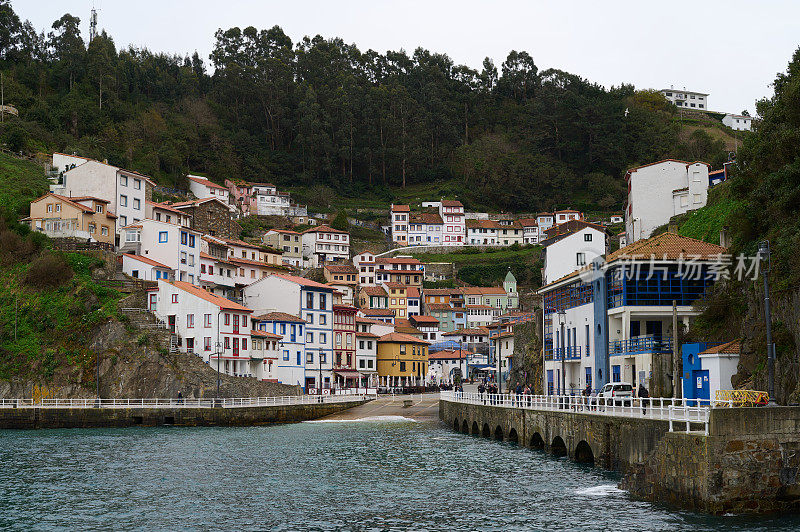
pixel 603 490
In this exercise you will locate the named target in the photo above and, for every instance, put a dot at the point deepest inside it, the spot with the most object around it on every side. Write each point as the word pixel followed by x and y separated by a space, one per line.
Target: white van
pixel 616 393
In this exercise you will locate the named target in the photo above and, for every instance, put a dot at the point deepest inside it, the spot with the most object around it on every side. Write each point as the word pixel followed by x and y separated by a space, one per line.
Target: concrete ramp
pixel 423 407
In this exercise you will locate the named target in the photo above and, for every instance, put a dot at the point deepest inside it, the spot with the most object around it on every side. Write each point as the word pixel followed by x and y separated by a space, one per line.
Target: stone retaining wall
pixel 748 463
pixel 55 418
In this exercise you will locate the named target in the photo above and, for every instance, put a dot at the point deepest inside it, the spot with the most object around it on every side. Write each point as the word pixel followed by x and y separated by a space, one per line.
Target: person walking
pixel 644 398
pixel 481 391
pixel 586 393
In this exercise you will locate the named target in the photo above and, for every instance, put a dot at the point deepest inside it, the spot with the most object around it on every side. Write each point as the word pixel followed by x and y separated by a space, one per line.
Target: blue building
pixel 291 360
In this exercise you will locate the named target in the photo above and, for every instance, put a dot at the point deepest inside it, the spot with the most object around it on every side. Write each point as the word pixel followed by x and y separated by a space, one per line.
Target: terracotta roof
pixel 451 203
pixel 151 262
pixel 302 281
pixel 67 200
pixel 221 302
pixel 528 222
pixel 340 268
pixel 280 316
pixel 251 262
pixel 165 207
pixel 263 334
pixel 407 329
pixel 423 319
pixel 242 243
pixel 361 319
pixel 395 285
pixel 204 181
pixel 440 291
pixel 429 218
pixel 81 198
pixel 484 307
pixel 567 211
pixel 483 290
pixel 668 246
pixel 398 260
pixel 193 203
pixel 733 347
pixel 482 224
pixel 438 306
pixel 373 290
pixel 400 337
pixel 366 335
pixel 377 311
pixel 458 354
pixel 283 231
pixel 401 208
pixel 570 227
pixel 412 292
pixel 324 229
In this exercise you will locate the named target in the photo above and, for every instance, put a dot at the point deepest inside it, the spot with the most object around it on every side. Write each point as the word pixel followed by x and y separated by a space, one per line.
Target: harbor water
pixel 382 473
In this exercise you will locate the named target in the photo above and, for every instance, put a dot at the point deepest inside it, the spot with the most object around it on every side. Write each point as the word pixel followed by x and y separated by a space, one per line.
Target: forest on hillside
pixel 322 112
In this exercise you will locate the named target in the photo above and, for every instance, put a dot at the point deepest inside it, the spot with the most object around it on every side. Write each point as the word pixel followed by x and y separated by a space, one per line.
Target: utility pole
pixel 676 374
pixel 764 254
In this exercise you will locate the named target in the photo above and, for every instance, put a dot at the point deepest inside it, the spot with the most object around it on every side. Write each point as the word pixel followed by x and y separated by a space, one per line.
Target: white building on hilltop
pixel 686 99
pixel 661 190
pixel 738 122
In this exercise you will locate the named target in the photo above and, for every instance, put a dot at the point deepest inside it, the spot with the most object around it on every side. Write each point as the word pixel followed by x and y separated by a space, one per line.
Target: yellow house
pixel 83 217
pixel 398 298
pixel 402 360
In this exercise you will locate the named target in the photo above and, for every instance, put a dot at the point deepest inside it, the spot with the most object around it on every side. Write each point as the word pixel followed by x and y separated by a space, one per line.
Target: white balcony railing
pixel 184 403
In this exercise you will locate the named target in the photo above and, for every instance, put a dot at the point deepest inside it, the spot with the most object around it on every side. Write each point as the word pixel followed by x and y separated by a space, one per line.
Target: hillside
pixel 20 182
pixel 322 115
pixel 488 267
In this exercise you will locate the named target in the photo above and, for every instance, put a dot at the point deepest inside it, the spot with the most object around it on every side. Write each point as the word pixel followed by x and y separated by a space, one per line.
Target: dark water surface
pixel 367 475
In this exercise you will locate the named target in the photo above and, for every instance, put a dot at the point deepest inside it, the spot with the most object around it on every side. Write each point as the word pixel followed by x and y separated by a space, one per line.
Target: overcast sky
pixel 731 49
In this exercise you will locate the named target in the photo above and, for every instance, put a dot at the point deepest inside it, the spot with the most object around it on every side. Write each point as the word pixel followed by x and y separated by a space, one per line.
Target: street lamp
pixel 764 254
pixel 562 319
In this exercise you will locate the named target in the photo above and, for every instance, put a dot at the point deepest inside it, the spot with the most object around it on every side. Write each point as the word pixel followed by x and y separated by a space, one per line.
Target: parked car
pixel 616 393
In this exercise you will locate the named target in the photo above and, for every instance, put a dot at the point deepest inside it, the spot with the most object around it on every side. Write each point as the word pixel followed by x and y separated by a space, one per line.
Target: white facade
pixel 545 221
pixel 176 247
pixel 661 190
pixel 454 230
pixel 721 368
pixel 365 264
pixel 290 366
pixel 738 122
pixel 367 356
pixel 311 301
pixel 400 215
pixel 686 99
pixel 214 328
pixel 572 335
pixel 202 187
pixel 323 244
pixel 572 253
pixel 125 191
pixel 144 268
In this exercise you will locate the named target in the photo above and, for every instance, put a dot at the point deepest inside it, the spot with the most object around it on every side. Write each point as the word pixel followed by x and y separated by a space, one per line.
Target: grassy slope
pixel 20 182
pixel 52 325
pixel 706 223
pixel 489 267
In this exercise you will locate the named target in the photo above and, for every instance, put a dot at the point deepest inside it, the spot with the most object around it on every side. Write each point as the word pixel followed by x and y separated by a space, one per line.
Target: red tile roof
pixel 221 302
pixel 482 224
pixel 263 334
pixel 340 268
pixel 302 281
pixel 731 348
pixel 451 203
pixel 374 291
pixel 146 260
pixel 428 218
pixel 670 246
pixel 479 331
pixel 324 229
pixel 423 319
pixel 204 181
pixel 401 208
pixel 280 316
pixel 400 337
pixel 377 311
pixel 457 354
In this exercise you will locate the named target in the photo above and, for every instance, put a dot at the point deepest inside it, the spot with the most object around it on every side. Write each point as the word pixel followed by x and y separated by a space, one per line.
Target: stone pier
pixel 748 463
pixel 55 418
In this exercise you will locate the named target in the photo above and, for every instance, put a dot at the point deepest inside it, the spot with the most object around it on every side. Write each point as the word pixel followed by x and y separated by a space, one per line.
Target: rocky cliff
pixel 527 358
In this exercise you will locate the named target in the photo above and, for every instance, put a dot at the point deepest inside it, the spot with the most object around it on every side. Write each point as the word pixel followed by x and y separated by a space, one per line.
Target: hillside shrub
pixel 48 270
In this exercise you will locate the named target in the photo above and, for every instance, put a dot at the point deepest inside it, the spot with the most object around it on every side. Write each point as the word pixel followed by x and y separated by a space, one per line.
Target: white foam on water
pixel 371 419
pixel 604 490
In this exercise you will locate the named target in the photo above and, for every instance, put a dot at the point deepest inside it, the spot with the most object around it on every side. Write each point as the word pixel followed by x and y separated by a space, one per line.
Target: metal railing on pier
pixel 186 402
pixel 679 412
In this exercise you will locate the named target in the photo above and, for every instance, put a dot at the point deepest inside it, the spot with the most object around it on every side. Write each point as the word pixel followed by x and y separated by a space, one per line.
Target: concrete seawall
pixel 56 418
pixel 749 462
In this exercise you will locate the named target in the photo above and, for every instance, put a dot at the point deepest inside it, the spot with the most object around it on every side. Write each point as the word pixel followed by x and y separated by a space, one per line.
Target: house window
pixel 207 321
pixel 104 230
pixel 323 319
pixel 123 200
pixel 587 237
pixel 323 338
pixel 190 321
pixel 163 237
pixel 191 241
pixel 207 343
pixel 309 337
pixel 137 204
pixel 137 184
pixel 184 237
pixel 309 300
pixel 174 298
pixel 98 209
pixel 227 319
pixel 123 180
pixel 580 259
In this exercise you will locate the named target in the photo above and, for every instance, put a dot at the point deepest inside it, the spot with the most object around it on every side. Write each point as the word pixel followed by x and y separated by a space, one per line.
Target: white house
pixel 545 221
pixel 367 348
pixel 567 215
pixel 454 230
pixel 738 122
pixel 212 327
pixel 176 247
pixel 202 187
pixel 162 212
pixel 400 218
pixel 425 229
pixel 661 190
pixel 365 264
pixel 143 268
pixel 444 365
pixel 570 247
pixel 311 301
pixel 686 99
pixel 482 232
pixel 530 230
pixel 427 325
pixel 324 244
pixel 125 190
pixel 291 363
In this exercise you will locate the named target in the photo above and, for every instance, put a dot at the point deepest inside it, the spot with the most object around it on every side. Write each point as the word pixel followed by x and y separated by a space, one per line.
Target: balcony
pixel 640 345
pixel 573 353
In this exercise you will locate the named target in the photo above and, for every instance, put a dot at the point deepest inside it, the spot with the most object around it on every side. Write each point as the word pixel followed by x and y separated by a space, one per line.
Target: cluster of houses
pixel 445 223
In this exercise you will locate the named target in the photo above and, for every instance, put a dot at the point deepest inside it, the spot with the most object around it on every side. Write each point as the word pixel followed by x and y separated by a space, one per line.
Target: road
pixel 424 407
